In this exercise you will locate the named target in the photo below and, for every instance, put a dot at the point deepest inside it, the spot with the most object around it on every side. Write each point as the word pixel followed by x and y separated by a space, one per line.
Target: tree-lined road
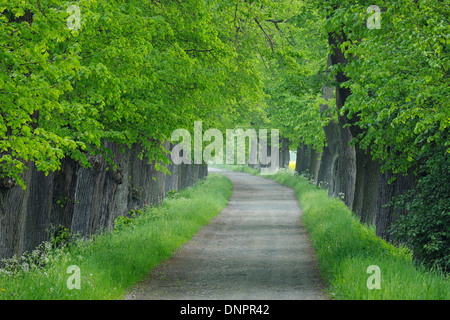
pixel 256 248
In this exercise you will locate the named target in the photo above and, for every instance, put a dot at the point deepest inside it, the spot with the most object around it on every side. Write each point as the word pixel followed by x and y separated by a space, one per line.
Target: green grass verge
pixel 112 262
pixel 345 249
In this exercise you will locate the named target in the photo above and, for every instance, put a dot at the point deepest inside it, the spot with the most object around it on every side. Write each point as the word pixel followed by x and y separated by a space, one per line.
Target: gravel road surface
pixel 255 249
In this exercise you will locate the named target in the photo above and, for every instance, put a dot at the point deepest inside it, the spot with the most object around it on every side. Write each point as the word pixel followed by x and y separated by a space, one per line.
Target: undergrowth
pixel 346 250
pixel 110 263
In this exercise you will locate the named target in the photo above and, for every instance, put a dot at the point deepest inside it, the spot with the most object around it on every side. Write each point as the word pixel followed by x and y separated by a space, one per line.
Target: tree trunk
pixel 367 186
pixel 346 169
pixel 314 164
pixel 386 215
pixel 303 159
pixel 13 211
pixel 359 176
pixel 86 200
pixel 284 153
pixel 38 211
pixel 327 175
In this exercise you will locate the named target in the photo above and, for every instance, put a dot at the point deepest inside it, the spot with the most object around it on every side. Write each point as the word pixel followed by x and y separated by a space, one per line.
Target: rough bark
pixel 328 167
pixel 85 200
pixel 367 185
pixel 366 190
pixel 284 153
pixel 303 159
pixel 386 215
pixel 346 166
pixel 314 164
pixel 13 210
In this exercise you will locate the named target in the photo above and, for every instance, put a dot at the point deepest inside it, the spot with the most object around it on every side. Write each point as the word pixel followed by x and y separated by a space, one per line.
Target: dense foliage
pixel 294 76
pixel 133 71
pixel 426 228
pixel 398 76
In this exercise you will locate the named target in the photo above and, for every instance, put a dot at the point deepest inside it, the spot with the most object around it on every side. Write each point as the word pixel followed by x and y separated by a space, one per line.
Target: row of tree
pixel 122 71
pixel 368 102
pixel 392 98
pixel 372 122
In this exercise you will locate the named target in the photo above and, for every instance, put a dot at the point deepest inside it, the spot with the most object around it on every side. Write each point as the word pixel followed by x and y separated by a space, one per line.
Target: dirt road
pixel 256 248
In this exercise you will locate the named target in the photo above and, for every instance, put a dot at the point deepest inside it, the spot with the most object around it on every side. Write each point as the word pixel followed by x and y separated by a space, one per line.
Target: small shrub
pixel 60 237
pixel 121 222
pixel 426 226
pixel 345 248
pixel 136 212
pixel 172 194
pixel 35 260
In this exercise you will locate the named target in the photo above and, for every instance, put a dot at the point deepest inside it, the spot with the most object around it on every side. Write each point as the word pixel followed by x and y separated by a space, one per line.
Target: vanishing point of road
pixel 255 249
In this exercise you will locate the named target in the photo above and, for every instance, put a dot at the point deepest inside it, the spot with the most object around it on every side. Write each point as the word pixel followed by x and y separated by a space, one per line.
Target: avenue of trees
pixel 368 102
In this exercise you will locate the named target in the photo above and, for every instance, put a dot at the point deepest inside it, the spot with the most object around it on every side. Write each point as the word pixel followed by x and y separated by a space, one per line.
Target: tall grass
pixel 112 262
pixel 345 249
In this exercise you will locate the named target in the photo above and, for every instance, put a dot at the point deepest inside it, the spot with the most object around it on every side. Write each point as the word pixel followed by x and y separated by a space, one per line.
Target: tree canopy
pixel 134 71
pixel 398 75
pixel 131 73
pixel 74 74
